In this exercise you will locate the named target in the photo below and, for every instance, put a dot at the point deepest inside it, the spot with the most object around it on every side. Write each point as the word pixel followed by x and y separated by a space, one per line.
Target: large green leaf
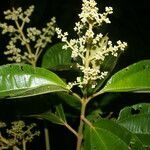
pixel 20 80
pixel 136 119
pixel 57 58
pixel 134 78
pixel 108 135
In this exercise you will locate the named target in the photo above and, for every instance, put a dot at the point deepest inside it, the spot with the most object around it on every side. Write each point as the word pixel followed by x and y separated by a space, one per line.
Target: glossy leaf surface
pixel 134 78
pixel 20 80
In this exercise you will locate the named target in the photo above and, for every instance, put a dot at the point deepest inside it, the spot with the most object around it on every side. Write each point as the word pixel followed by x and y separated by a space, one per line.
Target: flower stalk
pixel 89 50
pixel 81 124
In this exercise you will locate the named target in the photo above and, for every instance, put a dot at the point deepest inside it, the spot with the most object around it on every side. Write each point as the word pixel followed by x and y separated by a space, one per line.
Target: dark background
pixel 130 23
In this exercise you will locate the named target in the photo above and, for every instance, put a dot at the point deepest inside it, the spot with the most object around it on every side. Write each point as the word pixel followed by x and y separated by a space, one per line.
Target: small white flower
pixel 93 86
pixel 89 49
pixel 26 37
pixel 78 79
pixel 65 47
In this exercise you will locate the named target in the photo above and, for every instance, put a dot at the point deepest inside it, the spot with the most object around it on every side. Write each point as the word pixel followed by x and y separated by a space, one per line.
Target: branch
pixel 94 95
pixel 71 129
pixel 87 122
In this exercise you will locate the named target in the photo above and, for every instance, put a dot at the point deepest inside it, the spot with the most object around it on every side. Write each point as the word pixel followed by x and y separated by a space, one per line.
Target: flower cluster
pixel 22 132
pixel 18 134
pixel 89 47
pixel 90 13
pixel 31 39
pixel 17 14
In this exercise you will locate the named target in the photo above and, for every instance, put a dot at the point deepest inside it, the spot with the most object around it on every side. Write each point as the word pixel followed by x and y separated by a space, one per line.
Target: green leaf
pixel 134 78
pixel 21 80
pixel 60 112
pixel 58 117
pixel 136 119
pixel 57 58
pixel 107 135
pixel 49 117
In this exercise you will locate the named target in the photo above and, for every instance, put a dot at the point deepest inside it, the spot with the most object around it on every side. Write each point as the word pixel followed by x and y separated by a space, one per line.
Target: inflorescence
pixel 30 38
pixel 89 49
pixel 18 135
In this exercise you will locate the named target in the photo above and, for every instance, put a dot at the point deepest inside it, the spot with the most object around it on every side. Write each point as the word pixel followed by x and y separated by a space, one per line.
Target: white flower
pixel 109 10
pixel 89 49
pixel 31 38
